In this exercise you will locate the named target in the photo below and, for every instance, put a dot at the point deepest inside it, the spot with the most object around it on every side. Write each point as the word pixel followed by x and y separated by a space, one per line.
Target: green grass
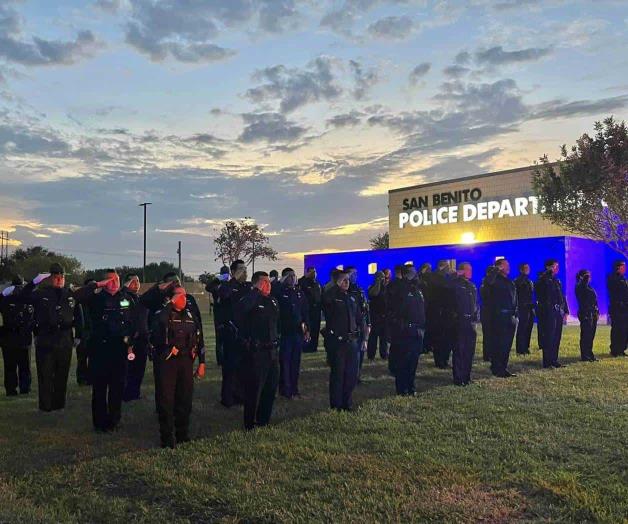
pixel 549 445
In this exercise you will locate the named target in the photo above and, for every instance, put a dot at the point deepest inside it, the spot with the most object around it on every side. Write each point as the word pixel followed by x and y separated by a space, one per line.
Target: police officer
pixel 313 294
pixel 344 324
pixel 16 339
pixel 442 304
pixel 588 314
pixel 213 287
pixel 466 317
pixel 378 310
pixel 275 284
pixel 54 307
pixel 139 340
pixel 552 311
pixel 83 340
pixel 486 310
pixel 364 321
pixel 504 317
pixel 177 343
pixel 525 300
pixel 257 315
pixel 229 295
pixel 407 327
pixel 618 297
pixel 294 331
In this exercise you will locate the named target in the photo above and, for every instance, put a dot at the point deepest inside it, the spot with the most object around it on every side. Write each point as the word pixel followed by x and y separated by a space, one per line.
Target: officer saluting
pixel 257 314
pixel 466 315
pixel 176 340
pixel 344 323
pixel 139 340
pixel 618 298
pixel 16 340
pixel 552 312
pixel 588 314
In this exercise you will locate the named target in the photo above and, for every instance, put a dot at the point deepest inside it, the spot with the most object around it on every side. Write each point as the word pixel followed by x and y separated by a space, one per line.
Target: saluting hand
pixel 103 283
pixel 40 278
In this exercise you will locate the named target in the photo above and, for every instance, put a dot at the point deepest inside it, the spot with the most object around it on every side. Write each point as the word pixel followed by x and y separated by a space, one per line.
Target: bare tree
pixel 380 241
pixel 242 240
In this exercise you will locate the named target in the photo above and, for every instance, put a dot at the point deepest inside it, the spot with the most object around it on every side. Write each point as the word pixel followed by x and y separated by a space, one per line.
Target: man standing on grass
pixel 139 340
pixel 364 322
pixel 466 314
pixel 552 313
pixel 313 294
pixel 378 308
pixel 525 301
pixel 618 311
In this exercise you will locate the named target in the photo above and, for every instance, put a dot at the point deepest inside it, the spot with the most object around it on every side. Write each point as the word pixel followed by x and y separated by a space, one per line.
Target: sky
pixel 301 114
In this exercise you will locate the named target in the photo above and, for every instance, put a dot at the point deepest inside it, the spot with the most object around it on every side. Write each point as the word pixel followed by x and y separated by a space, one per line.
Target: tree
pixel 380 241
pixel 29 262
pixel 586 191
pixel 242 240
pixel 154 271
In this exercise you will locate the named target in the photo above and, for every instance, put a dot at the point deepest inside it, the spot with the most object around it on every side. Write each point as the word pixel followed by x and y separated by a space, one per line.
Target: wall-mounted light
pixel 372 268
pixel 467 238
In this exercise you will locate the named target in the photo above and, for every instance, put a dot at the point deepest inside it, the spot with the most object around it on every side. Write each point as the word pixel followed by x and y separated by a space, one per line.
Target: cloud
pixel 353 118
pixel 364 80
pixel 562 109
pixel 269 127
pixel 392 28
pixel 36 51
pixel 496 56
pixel 351 229
pixel 463 58
pixel 455 71
pixel 419 72
pixel 110 6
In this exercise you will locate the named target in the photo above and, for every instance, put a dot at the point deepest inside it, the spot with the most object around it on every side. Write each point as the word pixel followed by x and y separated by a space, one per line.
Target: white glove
pixel 40 278
pixel 77 342
pixel 7 291
pixel 224 277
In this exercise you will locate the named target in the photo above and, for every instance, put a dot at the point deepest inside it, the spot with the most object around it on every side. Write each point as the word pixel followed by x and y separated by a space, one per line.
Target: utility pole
pixel 4 247
pixel 179 253
pixel 144 205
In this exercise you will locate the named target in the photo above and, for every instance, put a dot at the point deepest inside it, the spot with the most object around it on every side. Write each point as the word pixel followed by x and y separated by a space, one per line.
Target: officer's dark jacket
pixel 17 318
pixel 138 314
pixel 229 294
pixel 587 301
pixel 342 315
pixel 313 291
pixel 364 318
pixel 466 300
pixel 503 295
pixel 485 296
pixel 406 311
pixel 617 293
pixel 378 303
pixel 177 329
pixel 111 315
pixel 293 310
pixel 213 287
pixel 525 291
pixel 441 297
pixel 549 294
pixel 256 317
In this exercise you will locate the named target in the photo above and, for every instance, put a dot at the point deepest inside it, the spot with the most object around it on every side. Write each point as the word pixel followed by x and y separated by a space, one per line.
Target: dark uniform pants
pixel 504 326
pixel 17 367
pixel 588 327
pixel 315 329
pixel 344 360
pixel 108 370
pixel 260 376
pixel 466 336
pixel 82 361
pixel 524 329
pixel 135 373
pixel 443 336
pixel 487 336
pixel 403 362
pixel 174 401
pixel 53 367
pixel 551 325
pixel 220 350
pixel 379 334
pixel 290 349
pixel 619 332
pixel 231 389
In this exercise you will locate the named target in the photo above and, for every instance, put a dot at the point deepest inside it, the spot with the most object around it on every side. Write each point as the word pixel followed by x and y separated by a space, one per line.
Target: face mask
pixel 179 301
pixel 264 287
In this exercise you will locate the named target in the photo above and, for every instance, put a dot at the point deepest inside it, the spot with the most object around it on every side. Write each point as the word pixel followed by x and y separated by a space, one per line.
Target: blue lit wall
pixel 572 253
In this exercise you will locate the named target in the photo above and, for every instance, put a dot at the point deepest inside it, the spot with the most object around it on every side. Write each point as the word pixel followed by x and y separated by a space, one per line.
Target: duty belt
pixel 264 346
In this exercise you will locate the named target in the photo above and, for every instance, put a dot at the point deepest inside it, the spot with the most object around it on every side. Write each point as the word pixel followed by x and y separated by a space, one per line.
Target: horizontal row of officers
pixel 263 326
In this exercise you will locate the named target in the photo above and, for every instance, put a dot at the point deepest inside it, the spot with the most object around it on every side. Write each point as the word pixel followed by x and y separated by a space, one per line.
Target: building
pixel 477 219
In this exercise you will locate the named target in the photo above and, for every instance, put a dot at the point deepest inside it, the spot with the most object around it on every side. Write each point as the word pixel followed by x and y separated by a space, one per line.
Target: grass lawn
pixel 549 445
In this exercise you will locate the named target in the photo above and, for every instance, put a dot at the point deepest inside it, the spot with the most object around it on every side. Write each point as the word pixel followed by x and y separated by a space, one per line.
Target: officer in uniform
pixel 83 340
pixel 504 317
pixel 176 340
pixel 364 321
pixel 466 317
pixel 54 307
pixel 294 331
pixel 378 309
pixel 213 287
pixel 441 299
pixel 257 315
pixel 486 309
pixel 588 314
pixel 407 327
pixel 16 338
pixel 552 311
pixel 313 294
pixel 525 300
pixel 139 340
pixel 618 297
pixel 344 325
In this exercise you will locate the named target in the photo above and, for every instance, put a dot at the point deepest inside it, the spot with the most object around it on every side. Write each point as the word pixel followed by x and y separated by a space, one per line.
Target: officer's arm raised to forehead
pixel 85 293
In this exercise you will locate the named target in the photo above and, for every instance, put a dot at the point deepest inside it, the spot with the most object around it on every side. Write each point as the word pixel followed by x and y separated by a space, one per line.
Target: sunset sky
pixel 300 114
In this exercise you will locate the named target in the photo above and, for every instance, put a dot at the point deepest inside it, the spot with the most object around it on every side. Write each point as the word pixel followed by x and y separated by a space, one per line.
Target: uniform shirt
pixel 441 294
pixel 617 293
pixel 485 296
pixel 293 310
pixel 179 329
pixel 525 291
pixel 257 317
pixel 18 318
pixel 549 294
pixel 111 315
pixel 378 303
pixel 312 290
pixel 342 314
pixel 503 294
pixel 53 309
pixel 137 315
pixel 466 295
pixel 229 295
pixel 407 309
pixel 219 306
pixel 363 308
pixel 587 300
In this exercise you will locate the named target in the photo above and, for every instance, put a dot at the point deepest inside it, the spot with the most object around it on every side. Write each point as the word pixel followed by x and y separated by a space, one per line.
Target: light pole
pixel 144 205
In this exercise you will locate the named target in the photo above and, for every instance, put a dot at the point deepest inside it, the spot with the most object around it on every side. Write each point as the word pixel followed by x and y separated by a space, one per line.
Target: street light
pixel 144 205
